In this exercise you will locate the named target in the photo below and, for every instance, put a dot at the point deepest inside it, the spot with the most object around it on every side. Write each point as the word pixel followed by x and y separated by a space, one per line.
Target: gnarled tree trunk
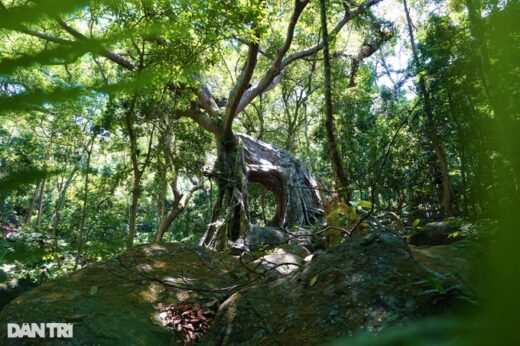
pixel 242 160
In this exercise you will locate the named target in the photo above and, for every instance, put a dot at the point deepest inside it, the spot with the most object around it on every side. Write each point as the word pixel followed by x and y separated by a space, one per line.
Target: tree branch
pixel 273 75
pixel 241 86
pixel 44 36
pixel 346 18
pixel 276 67
pixel 202 119
pixel 366 50
pixel 118 59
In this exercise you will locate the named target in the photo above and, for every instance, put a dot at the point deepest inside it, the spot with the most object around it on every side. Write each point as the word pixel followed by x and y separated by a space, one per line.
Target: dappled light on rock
pixel 367 283
pixel 115 302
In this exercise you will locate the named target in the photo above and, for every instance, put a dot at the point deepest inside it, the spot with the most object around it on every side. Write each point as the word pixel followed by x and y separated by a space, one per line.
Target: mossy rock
pixel 115 303
pixel 435 233
pixel 365 284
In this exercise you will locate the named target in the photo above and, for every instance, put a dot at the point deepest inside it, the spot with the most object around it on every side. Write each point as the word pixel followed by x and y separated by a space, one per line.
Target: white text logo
pixel 39 330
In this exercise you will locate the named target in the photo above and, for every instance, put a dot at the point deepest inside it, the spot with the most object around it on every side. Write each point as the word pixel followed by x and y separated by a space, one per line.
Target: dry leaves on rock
pixel 190 320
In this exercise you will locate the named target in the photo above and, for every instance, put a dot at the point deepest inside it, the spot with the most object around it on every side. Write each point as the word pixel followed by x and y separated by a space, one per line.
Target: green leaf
pixel 313 281
pixel 416 222
pixel 455 234
pixel 93 290
pixel 364 204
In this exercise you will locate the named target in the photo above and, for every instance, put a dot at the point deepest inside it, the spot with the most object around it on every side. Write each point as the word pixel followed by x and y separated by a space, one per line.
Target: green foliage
pixel 14 180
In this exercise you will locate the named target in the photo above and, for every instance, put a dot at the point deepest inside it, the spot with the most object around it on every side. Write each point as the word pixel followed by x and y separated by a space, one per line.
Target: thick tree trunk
pixel 296 192
pixel 229 207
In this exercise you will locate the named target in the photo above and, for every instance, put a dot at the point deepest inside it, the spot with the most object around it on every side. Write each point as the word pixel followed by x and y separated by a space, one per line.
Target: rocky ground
pixel 175 293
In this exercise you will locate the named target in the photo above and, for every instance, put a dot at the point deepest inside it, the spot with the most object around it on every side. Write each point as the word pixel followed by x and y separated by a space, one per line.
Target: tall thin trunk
pixel 138 169
pixel 340 174
pixel 62 198
pixel 83 216
pixel 59 207
pixel 306 127
pixel 481 164
pixel 432 127
pixel 30 210
pixel 477 31
pixel 134 205
pixel 168 219
pixel 40 204
pixel 136 183
pixel 3 196
pixel 462 155
pixel 161 203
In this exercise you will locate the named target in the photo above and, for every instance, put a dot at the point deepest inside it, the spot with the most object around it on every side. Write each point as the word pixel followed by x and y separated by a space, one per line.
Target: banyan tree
pixel 296 193
pixel 240 159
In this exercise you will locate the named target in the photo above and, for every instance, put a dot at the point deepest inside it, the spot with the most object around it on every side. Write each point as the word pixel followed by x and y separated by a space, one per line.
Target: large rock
pixel 458 264
pixel 115 303
pixel 264 238
pixel 367 283
pixel 435 233
pixel 12 288
pixel 281 260
pixel 298 202
pixel 370 282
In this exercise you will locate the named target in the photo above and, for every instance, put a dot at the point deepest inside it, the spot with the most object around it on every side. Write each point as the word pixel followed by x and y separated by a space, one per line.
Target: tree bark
pixel 432 132
pixel 180 200
pixel 180 203
pixel 138 169
pixel 340 173
pixel 134 205
pixel 83 216
pixel 230 219
pixel 33 203
pixel 296 193
pixel 62 198
pixel 40 204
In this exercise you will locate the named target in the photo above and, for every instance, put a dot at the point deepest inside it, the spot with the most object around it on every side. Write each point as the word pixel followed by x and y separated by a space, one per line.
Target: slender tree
pixel 340 173
pixel 432 131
